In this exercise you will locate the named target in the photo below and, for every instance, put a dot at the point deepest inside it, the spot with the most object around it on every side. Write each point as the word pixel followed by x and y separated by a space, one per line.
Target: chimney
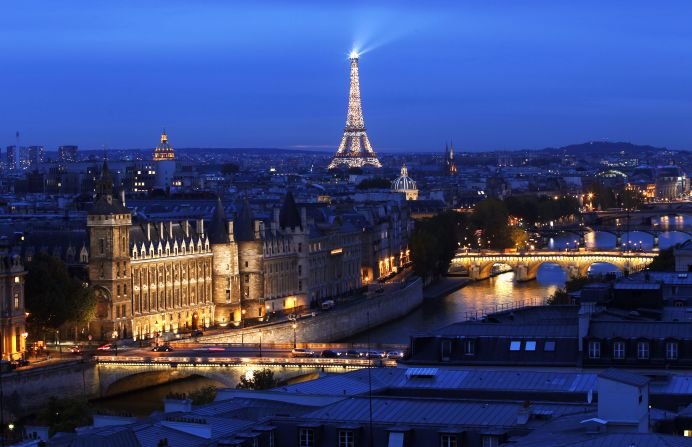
pixel 186 225
pixel 585 312
pixel 170 230
pixel 257 229
pixel 122 196
pixel 231 236
pixel 161 233
pixel 200 227
pixel 276 216
pixel 148 231
pixel 303 218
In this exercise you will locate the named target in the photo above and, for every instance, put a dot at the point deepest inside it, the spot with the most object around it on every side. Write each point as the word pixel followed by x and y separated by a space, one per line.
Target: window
pixel 346 438
pixel 594 349
pixel 549 346
pixel 446 349
pixel 16 303
pixel 530 346
pixel 515 345
pixel 270 440
pixel 396 439
pixel 489 441
pixel 619 350
pixel 469 347
pixel 643 350
pixel 306 438
pixel 448 440
pixel 671 350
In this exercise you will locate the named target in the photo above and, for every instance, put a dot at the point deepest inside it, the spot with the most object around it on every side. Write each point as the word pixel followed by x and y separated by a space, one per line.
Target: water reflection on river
pixel 144 402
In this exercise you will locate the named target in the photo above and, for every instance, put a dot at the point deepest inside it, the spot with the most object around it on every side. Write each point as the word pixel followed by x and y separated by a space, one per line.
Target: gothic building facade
pixel 152 278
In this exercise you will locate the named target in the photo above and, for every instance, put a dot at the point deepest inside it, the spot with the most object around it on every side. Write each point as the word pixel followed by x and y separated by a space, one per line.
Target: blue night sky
pixel 489 74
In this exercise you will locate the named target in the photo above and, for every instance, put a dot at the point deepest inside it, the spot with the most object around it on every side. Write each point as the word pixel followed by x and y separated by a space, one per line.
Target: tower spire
pixel 355 149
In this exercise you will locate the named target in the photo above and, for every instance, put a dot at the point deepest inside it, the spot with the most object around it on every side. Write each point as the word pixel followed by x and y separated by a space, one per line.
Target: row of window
pixel 347 438
pixel 643 350
pixel 531 345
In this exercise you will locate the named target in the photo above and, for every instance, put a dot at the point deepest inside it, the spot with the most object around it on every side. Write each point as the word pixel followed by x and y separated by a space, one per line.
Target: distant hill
pixel 604 147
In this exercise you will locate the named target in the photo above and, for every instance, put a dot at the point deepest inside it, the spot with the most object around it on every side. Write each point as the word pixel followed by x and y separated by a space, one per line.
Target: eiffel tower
pixel 355 149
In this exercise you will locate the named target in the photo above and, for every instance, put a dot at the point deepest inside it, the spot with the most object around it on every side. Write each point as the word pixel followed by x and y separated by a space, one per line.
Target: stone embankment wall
pixel 338 323
pixel 26 391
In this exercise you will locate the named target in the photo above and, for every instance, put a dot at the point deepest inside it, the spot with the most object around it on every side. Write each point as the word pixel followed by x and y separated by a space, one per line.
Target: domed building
pixel 406 185
pixel 164 160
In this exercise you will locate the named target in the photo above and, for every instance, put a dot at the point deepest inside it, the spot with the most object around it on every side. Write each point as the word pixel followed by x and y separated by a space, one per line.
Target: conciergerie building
pixel 152 277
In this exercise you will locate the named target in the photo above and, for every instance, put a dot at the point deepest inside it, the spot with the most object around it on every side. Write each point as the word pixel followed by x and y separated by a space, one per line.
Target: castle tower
pixel 248 235
pixel 164 159
pixel 355 149
pixel 225 278
pixel 109 224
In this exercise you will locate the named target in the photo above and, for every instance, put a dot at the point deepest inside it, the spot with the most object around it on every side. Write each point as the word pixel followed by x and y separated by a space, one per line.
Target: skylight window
pixel 530 346
pixel 549 346
pixel 515 345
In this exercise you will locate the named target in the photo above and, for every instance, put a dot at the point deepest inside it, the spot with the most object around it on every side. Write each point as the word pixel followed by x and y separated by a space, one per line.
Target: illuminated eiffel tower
pixel 355 149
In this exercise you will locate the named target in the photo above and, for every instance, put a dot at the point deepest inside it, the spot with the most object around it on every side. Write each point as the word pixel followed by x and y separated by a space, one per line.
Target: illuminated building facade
pixel 405 185
pixel 12 314
pixel 164 160
pixel 67 154
pixel 355 149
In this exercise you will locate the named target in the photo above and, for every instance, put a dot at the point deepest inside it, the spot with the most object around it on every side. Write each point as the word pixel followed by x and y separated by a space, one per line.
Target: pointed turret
pixel 289 215
pixel 243 228
pixel 105 202
pixel 217 228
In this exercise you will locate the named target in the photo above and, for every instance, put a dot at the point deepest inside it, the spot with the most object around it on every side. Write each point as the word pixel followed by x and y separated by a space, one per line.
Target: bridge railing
pixel 194 361
pixel 288 346
pixel 477 314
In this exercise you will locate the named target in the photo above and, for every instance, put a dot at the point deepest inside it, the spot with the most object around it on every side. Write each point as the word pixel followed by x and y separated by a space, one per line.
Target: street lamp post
pixel 260 343
pixel 242 317
pixel 294 326
pixel 114 336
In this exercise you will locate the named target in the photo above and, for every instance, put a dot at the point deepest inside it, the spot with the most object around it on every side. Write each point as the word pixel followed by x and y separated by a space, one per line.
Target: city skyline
pixel 491 77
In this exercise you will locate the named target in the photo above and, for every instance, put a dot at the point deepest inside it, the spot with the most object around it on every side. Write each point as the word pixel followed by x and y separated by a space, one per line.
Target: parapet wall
pixel 337 323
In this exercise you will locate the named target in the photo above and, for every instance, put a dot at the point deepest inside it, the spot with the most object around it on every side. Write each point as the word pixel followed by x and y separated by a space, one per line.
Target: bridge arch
pixel 586 267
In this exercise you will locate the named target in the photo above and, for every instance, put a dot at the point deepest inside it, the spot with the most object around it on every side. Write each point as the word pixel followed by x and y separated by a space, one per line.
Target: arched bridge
pixel 525 265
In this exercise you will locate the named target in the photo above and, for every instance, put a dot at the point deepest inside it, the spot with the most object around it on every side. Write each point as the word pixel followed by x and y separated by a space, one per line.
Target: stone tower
pixel 248 236
pixel 109 224
pixel 225 278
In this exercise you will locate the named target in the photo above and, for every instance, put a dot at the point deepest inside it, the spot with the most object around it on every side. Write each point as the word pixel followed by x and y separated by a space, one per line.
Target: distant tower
pixel 450 167
pixel 164 159
pixel 355 149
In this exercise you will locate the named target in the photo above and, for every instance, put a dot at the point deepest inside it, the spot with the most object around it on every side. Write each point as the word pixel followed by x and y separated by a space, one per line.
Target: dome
pixel 404 182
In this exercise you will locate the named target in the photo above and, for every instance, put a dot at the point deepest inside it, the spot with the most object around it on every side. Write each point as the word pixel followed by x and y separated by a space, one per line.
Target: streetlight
pixel 260 335
pixel 114 336
pixel 242 317
pixel 57 340
pixel 294 326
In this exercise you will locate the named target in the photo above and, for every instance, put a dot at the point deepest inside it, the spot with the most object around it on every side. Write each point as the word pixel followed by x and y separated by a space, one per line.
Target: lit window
pixel 643 350
pixel 595 350
pixel 687 433
pixel 346 438
pixel 515 345
pixel 16 279
pixel 619 350
pixel 306 438
pixel 671 350
pixel 549 346
pixel 530 346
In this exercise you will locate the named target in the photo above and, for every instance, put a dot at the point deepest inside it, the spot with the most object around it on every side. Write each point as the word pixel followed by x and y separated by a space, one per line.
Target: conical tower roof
pixel 289 216
pixel 217 227
pixel 243 226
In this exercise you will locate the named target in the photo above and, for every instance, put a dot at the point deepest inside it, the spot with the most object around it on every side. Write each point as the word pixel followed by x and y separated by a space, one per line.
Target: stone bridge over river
pixel 526 264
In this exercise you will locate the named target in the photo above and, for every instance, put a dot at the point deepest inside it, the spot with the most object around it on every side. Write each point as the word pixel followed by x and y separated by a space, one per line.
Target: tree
pixel 203 396
pixel 664 262
pixel 262 379
pixel 434 242
pixel 630 199
pixel 53 297
pixel 492 217
pixel 64 414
